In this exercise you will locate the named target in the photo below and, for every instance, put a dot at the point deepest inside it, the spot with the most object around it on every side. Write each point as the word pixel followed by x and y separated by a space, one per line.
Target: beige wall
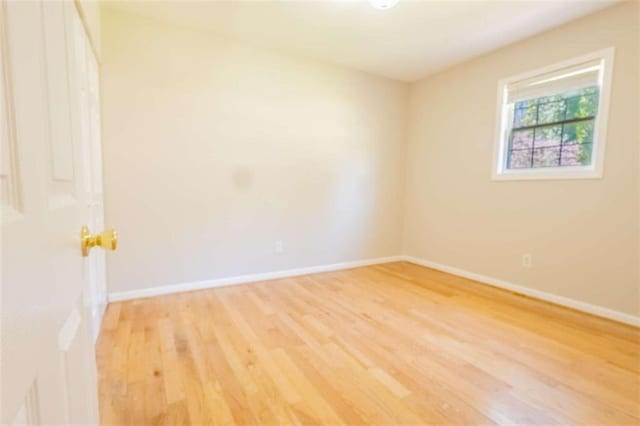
pixel 214 151
pixel 582 234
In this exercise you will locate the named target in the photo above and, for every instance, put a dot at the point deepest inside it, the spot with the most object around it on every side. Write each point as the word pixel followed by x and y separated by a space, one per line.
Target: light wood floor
pixel 388 344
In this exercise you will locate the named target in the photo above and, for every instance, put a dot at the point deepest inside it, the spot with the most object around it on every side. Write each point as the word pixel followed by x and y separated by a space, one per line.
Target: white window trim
pixel 595 170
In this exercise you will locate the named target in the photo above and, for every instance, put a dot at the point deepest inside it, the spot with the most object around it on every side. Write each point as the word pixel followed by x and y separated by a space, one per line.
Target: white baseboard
pixel 527 291
pixel 243 279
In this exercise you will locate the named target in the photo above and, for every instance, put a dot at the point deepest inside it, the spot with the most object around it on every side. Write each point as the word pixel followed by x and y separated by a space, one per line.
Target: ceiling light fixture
pixel 383 4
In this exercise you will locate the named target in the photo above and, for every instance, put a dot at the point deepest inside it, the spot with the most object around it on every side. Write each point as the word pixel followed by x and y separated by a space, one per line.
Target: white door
pixel 85 83
pixel 52 297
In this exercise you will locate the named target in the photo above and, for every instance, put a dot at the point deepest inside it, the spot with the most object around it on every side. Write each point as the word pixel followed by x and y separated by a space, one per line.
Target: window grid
pixel 538 125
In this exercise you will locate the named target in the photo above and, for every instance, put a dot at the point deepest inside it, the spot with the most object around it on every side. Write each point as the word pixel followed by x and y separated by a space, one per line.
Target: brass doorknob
pixel 108 240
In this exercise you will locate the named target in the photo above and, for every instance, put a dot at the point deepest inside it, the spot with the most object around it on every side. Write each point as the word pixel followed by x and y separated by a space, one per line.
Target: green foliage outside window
pixel 554 131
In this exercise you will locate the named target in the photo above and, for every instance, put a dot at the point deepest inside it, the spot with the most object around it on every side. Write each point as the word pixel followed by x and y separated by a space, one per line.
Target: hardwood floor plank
pixel 386 344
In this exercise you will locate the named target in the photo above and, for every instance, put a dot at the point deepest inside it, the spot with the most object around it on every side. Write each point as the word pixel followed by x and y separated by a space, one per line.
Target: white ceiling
pixel 410 41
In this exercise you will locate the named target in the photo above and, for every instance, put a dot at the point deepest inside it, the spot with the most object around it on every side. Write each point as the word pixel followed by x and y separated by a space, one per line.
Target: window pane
pixel 522 139
pixel 548 136
pixel 546 157
pixel 552 98
pixel 553 131
pixel 580 132
pixel 520 159
pixel 576 155
pixel 524 114
pixel 551 112
pixel 580 106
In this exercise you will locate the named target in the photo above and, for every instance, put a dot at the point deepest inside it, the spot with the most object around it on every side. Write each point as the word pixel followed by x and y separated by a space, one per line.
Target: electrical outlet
pixel 526 261
pixel 279 246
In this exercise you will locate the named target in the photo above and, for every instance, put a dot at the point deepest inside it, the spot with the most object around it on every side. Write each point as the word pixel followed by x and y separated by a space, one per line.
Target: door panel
pixel 60 144
pixel 76 368
pixel 9 183
pixel 48 302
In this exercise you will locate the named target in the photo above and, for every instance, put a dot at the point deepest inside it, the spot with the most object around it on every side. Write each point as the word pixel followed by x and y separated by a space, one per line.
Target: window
pixel 552 122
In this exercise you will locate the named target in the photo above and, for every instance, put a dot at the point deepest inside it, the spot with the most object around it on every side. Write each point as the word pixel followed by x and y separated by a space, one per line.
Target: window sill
pixel 548 174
